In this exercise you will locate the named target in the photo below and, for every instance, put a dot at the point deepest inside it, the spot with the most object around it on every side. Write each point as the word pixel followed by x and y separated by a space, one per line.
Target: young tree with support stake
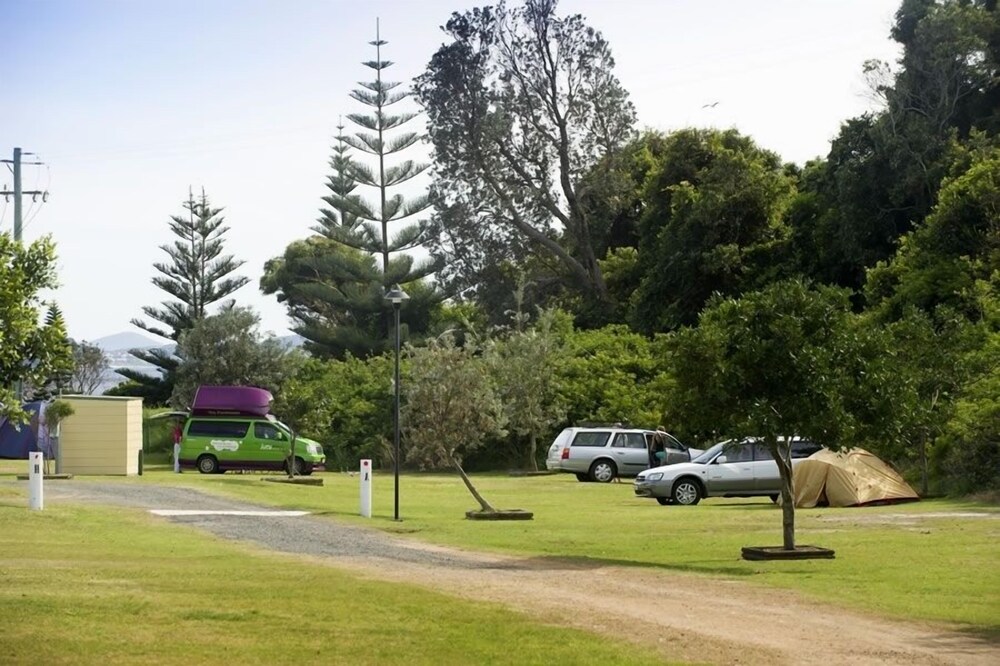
pixel 782 362
pixel 451 408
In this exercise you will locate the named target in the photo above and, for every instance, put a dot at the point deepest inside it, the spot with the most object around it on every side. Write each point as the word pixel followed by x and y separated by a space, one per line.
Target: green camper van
pixel 229 427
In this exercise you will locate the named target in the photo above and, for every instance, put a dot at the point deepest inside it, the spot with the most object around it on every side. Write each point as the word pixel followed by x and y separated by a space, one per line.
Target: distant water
pixel 111 379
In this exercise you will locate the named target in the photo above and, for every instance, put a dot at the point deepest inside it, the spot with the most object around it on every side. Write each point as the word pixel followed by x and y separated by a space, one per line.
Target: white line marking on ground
pixel 196 512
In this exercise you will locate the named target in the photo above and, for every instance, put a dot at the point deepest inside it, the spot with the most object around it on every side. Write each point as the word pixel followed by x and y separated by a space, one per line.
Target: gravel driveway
pixel 687 617
pixel 308 535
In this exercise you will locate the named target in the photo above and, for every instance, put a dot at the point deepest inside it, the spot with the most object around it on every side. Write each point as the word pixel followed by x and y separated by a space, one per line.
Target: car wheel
pixel 774 498
pixel 686 492
pixel 663 501
pixel 582 478
pixel 603 471
pixel 208 465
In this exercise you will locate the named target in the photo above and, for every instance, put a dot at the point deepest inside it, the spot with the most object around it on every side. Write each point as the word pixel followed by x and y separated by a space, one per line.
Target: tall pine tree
pixel 333 286
pixel 197 275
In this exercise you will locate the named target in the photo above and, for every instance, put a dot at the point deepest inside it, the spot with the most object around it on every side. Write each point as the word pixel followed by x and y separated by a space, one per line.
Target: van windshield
pixel 281 426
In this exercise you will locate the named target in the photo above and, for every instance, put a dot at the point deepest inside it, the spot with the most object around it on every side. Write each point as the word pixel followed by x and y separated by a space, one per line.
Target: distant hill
pixel 127 340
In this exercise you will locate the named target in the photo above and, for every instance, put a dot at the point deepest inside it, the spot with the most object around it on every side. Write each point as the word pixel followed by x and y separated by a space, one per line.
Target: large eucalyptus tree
pixel 521 104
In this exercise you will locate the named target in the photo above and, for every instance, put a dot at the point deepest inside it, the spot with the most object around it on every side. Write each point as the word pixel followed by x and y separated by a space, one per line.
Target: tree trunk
pixel 923 467
pixel 291 458
pixel 533 448
pixel 783 456
pixel 486 506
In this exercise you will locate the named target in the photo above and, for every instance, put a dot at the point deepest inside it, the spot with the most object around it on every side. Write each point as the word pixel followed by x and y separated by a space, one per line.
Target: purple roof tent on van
pixel 231 401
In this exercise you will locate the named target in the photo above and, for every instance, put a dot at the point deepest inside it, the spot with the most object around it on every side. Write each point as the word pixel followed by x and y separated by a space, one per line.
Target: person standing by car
pixel 178 433
pixel 657 446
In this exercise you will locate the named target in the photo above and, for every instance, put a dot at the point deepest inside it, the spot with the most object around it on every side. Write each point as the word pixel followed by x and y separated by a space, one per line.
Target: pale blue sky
pixel 129 103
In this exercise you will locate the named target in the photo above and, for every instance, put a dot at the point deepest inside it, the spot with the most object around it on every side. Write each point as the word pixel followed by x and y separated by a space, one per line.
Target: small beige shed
pixel 103 436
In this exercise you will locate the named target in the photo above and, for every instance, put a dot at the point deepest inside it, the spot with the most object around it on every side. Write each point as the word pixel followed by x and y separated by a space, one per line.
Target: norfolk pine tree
pixel 196 277
pixel 334 286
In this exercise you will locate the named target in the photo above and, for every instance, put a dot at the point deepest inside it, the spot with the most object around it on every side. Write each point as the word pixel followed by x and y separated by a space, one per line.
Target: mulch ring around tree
pixel 780 553
pixel 500 514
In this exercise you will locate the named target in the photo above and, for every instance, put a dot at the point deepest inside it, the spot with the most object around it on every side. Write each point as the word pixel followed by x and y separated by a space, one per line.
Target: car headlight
pixel 656 476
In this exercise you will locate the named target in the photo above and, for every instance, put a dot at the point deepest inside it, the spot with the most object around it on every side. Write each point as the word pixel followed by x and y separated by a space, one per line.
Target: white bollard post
pixel 366 488
pixel 35 476
pixel 177 458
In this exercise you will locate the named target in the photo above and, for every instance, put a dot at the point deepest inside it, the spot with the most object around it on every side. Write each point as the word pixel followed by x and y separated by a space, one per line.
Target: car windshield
pixel 707 456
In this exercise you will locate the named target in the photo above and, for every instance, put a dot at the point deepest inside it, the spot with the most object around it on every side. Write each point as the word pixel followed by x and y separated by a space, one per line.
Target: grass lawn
pixel 108 586
pixel 927 560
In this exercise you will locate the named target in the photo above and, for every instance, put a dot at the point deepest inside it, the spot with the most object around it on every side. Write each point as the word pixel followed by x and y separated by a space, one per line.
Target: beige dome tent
pixel 853 477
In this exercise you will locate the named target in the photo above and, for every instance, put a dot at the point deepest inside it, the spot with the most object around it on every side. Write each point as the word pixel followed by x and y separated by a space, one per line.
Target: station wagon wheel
pixel 686 492
pixel 582 478
pixel 662 501
pixel 208 465
pixel 603 471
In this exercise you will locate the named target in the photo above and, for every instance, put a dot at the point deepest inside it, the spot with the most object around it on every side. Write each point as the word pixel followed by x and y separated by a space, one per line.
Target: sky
pixel 131 103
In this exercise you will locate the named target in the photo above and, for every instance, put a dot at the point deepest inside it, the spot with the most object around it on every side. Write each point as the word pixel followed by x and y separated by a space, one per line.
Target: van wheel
pixel 603 471
pixel 300 467
pixel 208 465
pixel 582 478
pixel 686 492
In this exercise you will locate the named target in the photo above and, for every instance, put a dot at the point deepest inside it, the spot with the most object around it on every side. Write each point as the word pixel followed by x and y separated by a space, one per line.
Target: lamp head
pixel 396 295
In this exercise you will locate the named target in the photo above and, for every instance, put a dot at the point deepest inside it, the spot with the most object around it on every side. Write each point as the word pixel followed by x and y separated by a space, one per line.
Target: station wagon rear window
pixel 598 438
pixel 236 429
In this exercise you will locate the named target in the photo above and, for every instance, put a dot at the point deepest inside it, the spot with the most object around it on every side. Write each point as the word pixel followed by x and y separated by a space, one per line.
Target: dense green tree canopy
pixel 712 223
pixel 524 363
pixel 954 256
pixel 346 405
pixel 228 349
pixel 31 352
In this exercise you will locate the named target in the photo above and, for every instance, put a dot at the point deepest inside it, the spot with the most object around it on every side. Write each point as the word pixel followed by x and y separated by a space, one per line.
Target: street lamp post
pixel 396 296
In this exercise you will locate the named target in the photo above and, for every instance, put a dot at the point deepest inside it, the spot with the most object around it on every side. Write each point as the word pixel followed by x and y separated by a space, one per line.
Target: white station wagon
pixel 601 454
pixel 728 469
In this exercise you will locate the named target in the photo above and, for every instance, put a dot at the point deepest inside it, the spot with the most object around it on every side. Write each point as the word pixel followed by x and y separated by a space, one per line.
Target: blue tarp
pixel 16 442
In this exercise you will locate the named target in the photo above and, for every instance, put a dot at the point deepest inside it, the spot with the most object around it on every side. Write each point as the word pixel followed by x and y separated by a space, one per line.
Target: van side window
pixel 599 438
pixel 267 431
pixel 237 429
